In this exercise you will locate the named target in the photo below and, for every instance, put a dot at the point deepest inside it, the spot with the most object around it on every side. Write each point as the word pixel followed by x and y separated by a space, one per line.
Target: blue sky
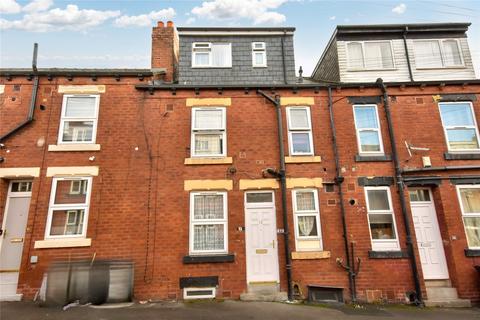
pixel 115 34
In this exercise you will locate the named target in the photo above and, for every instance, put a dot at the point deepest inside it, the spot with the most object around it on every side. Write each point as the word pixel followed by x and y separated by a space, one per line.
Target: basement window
pixel 460 126
pixel 259 54
pixel 469 196
pixel 211 55
pixel 308 234
pixel 299 131
pixel 369 137
pixel 208 132
pixel 437 54
pixel 78 123
pixel 199 293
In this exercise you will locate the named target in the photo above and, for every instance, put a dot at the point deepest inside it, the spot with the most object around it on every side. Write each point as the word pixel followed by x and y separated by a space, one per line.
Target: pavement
pixel 231 310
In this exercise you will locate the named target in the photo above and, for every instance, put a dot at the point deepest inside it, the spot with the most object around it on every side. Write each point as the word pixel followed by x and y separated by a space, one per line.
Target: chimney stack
pixel 165 50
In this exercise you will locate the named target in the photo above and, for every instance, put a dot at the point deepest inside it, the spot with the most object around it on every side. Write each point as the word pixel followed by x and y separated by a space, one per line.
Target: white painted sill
pixel 74 147
pixel 63 243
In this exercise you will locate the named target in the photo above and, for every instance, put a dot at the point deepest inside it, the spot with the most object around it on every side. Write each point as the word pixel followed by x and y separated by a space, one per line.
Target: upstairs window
pixel 79 119
pixel 299 131
pixel 259 54
pixel 370 55
pixel 459 125
pixel 208 132
pixel 211 55
pixel 369 137
pixel 437 54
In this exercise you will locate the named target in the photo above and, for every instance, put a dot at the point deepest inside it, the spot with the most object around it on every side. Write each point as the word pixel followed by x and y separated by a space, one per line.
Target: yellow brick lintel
pixel 209 102
pixel 63 243
pixel 72 171
pixel 190 185
pixel 197 161
pixel 19 172
pixel 303 159
pixel 296 101
pixel 74 147
pixel 306 255
pixel 81 89
pixel 304 183
pixel 2 88
pixel 255 184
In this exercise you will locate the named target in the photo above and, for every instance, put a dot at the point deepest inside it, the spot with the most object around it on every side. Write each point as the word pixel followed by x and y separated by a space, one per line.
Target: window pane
pixel 208 237
pixel 206 144
pixel 378 200
pixel 299 118
pixel 301 142
pixel 80 107
pixel 71 191
pixel 221 55
pixel 305 200
pixel 355 55
pixel 472 229
pixel 427 54
pixel 23 186
pixel 259 197
pixel 366 117
pixel 451 53
pixel 307 226
pixel 67 222
pixel 419 195
pixel 201 58
pixel 378 55
pixel 470 200
pixel 462 138
pixel 209 206
pixel 259 58
pixel 208 119
pixel 77 131
pixel 381 226
pixel 458 114
pixel 369 141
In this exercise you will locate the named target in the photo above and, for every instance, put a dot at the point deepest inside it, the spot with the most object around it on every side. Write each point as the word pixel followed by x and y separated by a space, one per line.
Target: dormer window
pixel 438 54
pixel 211 55
pixel 370 55
pixel 259 54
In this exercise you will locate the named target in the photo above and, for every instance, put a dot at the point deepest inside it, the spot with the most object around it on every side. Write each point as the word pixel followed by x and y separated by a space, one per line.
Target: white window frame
pixel 194 222
pixel 222 131
pixel 445 128
pixel 263 51
pixel 292 130
pixel 364 68
pixel 64 118
pixel 210 59
pixel 315 213
pixel 382 244
pixel 208 296
pixel 442 54
pixel 67 206
pixel 358 130
pixel 467 215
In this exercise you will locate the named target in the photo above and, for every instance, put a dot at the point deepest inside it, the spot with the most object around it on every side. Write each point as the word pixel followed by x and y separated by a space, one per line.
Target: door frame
pixel 262 205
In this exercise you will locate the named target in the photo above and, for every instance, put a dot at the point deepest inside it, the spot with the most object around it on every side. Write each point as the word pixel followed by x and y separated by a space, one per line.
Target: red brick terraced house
pixel 219 173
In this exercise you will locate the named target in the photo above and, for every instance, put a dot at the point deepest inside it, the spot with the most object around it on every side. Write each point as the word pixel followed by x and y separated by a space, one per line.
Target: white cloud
pixel 9 6
pixel 70 18
pixel 190 20
pixel 260 11
pixel 400 9
pixel 332 18
pixel 38 5
pixel 145 20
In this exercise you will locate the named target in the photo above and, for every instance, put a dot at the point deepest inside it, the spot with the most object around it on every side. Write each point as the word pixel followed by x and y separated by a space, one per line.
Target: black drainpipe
pixel 283 58
pixel 338 181
pixel 32 100
pixel 401 194
pixel 281 175
pixel 407 54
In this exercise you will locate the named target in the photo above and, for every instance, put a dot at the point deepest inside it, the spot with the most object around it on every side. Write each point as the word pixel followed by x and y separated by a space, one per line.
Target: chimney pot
pixel 170 24
pixel 160 24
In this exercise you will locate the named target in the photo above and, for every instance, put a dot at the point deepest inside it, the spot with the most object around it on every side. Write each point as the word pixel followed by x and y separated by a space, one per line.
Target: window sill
pixel 209 259
pixel 309 255
pixel 63 243
pixel 373 158
pixel 472 252
pixel 74 147
pixel 387 254
pixel 441 68
pixel 199 161
pixel 462 156
pixel 211 67
pixel 303 159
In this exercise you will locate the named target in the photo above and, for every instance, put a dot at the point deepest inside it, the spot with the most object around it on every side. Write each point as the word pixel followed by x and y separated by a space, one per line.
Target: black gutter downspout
pixel 283 58
pixel 33 100
pixel 281 175
pixel 401 194
pixel 407 54
pixel 338 181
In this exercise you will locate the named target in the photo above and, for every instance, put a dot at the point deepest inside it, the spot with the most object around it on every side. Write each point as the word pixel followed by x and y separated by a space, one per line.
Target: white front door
pixel 261 237
pixel 12 238
pixel 429 240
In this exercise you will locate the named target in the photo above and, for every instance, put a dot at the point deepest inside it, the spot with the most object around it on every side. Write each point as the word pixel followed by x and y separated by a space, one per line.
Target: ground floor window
pixel 308 235
pixel 470 204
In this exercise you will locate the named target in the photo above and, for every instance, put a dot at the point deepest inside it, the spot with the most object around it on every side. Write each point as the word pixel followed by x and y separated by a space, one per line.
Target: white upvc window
pixel 300 139
pixel 78 123
pixel 370 55
pixel 211 55
pixel 369 134
pixel 208 223
pixel 308 233
pixel 438 53
pixel 259 54
pixel 209 136
pixel 469 197
pixel 460 126
pixel 68 211
pixel 381 220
